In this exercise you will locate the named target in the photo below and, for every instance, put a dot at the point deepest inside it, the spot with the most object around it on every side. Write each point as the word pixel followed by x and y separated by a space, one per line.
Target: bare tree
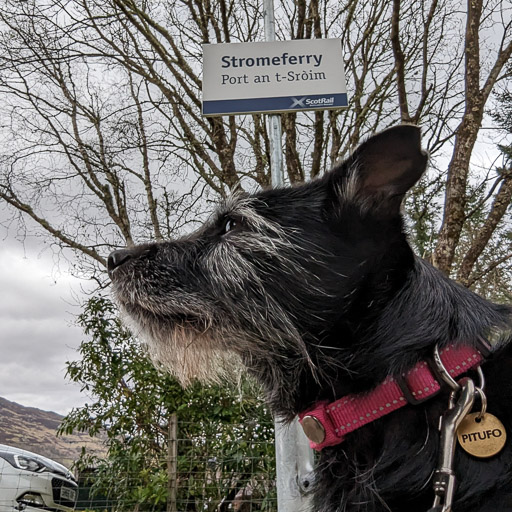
pixel 479 80
pixel 105 143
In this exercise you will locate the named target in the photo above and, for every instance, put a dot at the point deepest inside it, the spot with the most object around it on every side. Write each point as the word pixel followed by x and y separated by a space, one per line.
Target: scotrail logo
pixel 298 102
pixel 325 102
pixel 306 102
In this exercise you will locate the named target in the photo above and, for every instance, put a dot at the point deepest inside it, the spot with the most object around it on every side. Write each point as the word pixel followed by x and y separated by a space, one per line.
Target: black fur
pixel 317 291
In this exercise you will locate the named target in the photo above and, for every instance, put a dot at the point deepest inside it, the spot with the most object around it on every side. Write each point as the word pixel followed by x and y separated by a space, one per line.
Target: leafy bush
pixel 225 434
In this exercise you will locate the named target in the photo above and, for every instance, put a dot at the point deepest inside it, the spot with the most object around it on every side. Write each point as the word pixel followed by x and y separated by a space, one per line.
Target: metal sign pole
pixel 274 120
pixel 294 457
pixel 294 467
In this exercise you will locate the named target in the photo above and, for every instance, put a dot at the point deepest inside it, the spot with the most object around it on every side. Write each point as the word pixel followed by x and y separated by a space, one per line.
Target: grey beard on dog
pixel 316 291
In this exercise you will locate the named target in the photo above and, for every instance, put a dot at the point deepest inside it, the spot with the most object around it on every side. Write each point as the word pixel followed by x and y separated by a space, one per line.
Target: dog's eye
pixel 231 225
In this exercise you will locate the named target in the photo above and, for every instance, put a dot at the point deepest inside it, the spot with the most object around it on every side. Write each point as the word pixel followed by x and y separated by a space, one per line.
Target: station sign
pixel 266 77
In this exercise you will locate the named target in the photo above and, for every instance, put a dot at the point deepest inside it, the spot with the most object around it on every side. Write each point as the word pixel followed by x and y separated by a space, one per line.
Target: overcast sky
pixel 37 335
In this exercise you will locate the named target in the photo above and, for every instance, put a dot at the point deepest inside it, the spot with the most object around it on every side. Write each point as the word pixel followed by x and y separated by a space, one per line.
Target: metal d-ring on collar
pixel 443 373
pixel 445 376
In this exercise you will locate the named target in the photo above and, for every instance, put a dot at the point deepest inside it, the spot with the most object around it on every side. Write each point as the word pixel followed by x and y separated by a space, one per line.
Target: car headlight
pixel 28 463
pixel 23 462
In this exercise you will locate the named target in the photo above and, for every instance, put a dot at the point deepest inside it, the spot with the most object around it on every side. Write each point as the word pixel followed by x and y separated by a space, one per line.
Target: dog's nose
pixel 117 258
pixel 121 256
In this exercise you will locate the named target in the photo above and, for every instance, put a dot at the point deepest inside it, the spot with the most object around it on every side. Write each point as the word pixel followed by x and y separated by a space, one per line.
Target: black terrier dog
pixel 316 290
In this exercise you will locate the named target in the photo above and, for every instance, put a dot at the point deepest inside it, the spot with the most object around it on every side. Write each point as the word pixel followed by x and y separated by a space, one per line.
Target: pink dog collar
pixel 327 424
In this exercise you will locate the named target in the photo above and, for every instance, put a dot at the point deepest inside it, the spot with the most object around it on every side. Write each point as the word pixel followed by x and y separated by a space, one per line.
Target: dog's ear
pixel 383 168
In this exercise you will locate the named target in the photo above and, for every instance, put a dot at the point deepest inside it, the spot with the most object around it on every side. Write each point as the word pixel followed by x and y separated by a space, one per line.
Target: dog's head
pixel 284 279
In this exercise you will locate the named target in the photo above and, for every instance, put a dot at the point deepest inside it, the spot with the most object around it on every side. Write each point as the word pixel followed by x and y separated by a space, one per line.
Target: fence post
pixel 172 464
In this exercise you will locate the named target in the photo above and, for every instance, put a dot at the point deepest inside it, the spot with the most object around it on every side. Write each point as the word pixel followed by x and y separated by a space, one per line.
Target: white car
pixel 30 482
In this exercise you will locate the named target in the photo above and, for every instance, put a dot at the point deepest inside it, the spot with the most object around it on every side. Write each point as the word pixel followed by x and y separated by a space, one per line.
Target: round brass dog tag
pixel 483 437
pixel 313 429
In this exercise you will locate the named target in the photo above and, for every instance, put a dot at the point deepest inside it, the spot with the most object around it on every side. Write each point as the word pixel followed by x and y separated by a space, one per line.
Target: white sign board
pixel 281 76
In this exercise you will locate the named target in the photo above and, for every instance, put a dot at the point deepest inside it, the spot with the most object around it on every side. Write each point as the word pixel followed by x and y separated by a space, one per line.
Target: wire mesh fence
pixel 237 476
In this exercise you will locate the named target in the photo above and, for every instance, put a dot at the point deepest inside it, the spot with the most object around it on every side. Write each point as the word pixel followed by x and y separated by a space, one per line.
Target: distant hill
pixel 35 430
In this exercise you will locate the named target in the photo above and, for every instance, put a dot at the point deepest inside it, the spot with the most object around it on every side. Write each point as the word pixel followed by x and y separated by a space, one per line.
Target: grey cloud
pixel 37 334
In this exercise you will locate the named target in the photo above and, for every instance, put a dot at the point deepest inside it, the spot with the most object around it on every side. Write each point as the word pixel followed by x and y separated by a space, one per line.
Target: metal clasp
pixel 444 477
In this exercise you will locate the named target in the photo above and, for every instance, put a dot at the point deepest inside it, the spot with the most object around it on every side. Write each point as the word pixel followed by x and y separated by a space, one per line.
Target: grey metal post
pixel 294 457
pixel 294 467
pixel 274 120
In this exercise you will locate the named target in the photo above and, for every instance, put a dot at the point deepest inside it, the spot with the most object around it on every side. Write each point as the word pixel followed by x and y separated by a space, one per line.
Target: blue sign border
pixel 279 104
